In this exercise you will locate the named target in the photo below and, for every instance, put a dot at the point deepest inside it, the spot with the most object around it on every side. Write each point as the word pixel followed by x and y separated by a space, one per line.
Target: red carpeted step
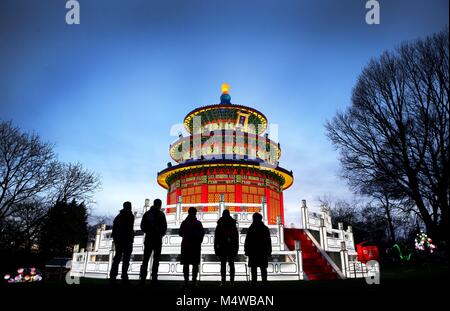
pixel 314 265
pixel 311 261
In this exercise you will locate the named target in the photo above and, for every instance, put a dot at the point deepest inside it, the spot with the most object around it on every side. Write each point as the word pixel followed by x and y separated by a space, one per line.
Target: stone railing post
pixel 350 233
pixel 341 231
pixel 304 215
pixel 264 210
pixel 298 249
pixel 110 259
pixel 280 234
pixel 325 213
pixel 146 205
pixel 178 211
pixel 221 204
pixel 344 259
pixel 323 234
pixel 86 258
pixel 76 248
pixel 97 239
pixel 200 212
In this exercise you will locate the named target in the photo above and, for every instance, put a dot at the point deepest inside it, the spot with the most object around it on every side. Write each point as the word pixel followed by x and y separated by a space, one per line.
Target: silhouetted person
pixel 226 244
pixel 123 235
pixel 258 248
pixel 192 232
pixel 154 225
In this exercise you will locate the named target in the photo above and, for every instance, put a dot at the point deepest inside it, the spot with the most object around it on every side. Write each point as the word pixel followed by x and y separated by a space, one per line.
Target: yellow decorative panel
pixel 221 188
pixel 211 198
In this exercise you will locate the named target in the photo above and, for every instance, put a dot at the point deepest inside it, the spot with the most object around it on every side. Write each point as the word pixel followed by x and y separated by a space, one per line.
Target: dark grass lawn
pixel 401 286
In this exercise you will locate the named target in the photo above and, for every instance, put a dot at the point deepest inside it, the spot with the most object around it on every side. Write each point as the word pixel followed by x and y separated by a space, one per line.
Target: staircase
pixel 315 266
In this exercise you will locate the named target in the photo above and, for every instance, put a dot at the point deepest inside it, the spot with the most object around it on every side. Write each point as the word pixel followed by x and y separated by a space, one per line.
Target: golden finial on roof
pixel 225 88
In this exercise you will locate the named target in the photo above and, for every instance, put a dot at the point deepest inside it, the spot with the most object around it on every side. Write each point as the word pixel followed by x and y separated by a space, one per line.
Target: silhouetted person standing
pixel 258 248
pixel 226 244
pixel 123 235
pixel 154 225
pixel 192 232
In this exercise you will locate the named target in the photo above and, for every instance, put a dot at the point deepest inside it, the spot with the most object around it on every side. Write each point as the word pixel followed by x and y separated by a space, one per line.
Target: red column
pixel 269 212
pixel 238 196
pixel 281 207
pixel 204 196
pixel 168 201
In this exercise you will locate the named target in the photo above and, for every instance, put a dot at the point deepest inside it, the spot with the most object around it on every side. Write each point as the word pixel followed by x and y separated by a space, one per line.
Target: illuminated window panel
pixel 253 209
pixel 221 188
pixel 213 197
pixel 249 198
pixel 173 198
pixel 229 197
pixel 216 197
pixel 210 197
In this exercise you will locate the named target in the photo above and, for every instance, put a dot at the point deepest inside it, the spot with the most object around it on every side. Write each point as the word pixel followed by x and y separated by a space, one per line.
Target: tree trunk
pixel 387 210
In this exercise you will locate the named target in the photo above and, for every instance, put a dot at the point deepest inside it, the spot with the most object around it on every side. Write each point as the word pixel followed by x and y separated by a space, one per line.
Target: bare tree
pixel 394 139
pixel 325 200
pixel 75 183
pixel 28 167
pixel 32 181
pixel 343 210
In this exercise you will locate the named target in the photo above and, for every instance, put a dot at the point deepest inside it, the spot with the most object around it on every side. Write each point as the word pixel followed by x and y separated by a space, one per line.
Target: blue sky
pixel 108 91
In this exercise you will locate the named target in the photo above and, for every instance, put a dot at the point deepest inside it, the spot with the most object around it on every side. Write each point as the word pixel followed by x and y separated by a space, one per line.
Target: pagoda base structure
pixel 314 251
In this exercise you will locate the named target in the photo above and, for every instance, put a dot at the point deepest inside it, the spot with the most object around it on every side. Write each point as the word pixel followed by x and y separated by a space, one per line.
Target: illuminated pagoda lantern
pixel 229 162
pixel 227 155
